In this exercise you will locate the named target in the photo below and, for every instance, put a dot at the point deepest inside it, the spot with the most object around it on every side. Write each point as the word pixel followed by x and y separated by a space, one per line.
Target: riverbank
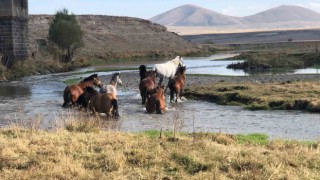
pixel 81 150
pixel 275 60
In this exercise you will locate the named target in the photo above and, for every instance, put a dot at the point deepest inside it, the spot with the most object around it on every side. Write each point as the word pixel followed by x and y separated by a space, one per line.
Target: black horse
pixel 84 98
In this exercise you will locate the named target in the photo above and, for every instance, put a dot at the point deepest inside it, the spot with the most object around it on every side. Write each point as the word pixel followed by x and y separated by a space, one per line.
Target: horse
pixel 84 98
pixel 156 101
pixel 176 84
pixel 105 103
pixel 168 69
pixel 112 86
pixel 143 72
pixel 146 85
pixel 72 92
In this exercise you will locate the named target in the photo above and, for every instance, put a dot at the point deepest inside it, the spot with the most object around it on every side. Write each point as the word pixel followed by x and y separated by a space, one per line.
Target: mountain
pixel 190 15
pixel 283 14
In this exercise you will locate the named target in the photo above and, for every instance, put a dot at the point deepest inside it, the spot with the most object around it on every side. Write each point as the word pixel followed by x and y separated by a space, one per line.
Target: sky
pixel 148 8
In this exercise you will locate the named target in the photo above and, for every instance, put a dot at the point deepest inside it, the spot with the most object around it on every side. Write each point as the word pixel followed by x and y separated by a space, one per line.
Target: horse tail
pixel 114 103
pixel 66 96
pixel 158 108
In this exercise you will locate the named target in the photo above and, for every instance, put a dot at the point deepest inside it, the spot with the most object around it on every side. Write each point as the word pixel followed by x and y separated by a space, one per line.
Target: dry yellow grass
pixel 97 154
pixel 286 96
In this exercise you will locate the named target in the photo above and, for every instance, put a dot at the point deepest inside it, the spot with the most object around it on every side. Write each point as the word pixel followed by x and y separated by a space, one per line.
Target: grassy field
pixel 81 150
pixel 254 96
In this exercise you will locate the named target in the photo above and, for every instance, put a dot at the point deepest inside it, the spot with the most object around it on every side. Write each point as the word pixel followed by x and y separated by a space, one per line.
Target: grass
pixel 256 138
pixel 276 59
pixel 276 96
pixel 72 81
pixel 81 149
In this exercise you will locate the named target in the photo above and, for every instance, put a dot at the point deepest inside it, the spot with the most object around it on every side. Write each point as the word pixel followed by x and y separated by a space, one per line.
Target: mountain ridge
pixel 192 15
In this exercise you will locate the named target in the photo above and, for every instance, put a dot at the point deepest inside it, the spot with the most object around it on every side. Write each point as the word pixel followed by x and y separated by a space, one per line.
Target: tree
pixel 66 32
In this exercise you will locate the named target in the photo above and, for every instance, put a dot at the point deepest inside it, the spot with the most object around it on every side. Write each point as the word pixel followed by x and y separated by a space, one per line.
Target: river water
pixel 40 97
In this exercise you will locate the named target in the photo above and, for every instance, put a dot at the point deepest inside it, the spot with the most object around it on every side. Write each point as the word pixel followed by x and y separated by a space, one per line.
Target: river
pixel 40 97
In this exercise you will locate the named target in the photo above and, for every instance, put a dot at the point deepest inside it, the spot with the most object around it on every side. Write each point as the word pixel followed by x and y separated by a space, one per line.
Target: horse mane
pixel 114 76
pixel 176 60
pixel 90 78
pixel 90 90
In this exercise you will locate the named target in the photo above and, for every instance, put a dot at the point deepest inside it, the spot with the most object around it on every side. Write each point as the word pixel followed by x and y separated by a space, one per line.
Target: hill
pixel 283 14
pixel 115 37
pixel 190 15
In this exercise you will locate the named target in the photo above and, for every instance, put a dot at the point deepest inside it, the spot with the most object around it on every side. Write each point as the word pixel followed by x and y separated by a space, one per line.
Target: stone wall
pixel 14 40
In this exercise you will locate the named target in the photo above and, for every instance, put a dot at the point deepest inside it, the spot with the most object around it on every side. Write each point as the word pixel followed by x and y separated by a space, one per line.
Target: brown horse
pixel 176 84
pixel 72 92
pixel 155 101
pixel 105 103
pixel 146 85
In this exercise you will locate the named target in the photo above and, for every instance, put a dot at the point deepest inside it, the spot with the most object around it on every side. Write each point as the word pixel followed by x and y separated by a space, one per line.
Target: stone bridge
pixel 14 40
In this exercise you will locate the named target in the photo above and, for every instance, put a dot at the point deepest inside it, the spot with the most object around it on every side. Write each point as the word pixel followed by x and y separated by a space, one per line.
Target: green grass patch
pixel 255 138
pixel 72 81
pixel 156 133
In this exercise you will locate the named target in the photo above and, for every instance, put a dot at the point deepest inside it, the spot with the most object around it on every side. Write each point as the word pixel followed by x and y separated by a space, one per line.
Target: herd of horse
pixel 105 101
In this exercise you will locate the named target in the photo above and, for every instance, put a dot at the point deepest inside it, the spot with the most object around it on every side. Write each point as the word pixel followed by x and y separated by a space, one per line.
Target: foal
pixel 176 84
pixel 146 85
pixel 156 101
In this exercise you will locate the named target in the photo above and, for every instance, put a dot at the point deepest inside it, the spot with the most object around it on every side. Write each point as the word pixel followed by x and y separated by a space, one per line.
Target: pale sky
pixel 148 8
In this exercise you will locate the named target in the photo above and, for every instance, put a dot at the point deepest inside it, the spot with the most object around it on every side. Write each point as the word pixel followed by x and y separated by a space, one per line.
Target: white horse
pixel 168 69
pixel 112 86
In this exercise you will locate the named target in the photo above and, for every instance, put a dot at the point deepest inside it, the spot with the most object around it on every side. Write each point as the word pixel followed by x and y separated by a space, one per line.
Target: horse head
pixel 143 72
pixel 160 90
pixel 181 62
pixel 116 79
pixel 90 92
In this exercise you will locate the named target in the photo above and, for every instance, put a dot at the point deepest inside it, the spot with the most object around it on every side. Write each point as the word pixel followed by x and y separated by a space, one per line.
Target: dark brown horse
pixel 176 84
pixel 156 102
pixel 72 92
pixel 143 72
pixel 146 85
pixel 105 103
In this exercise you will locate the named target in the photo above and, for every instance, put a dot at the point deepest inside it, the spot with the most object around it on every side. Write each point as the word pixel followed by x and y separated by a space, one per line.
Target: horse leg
pixel 115 112
pixel 143 93
pixel 171 96
pixel 66 98
pixel 177 94
pixel 181 90
pixel 161 79
pixel 158 108
pixel 165 90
